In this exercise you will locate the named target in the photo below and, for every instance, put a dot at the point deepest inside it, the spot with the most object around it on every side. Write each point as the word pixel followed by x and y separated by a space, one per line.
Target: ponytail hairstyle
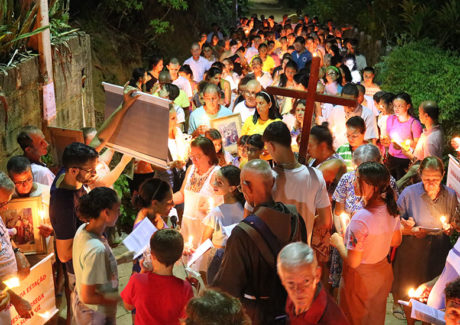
pixel 273 111
pixel 92 204
pixel 232 175
pixel 377 175
pixel 151 189
pixel 406 97
pixel 136 76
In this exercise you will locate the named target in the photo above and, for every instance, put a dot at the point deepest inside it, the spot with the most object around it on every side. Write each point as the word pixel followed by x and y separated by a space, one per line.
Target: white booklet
pixel 426 313
pixel 203 248
pixel 139 239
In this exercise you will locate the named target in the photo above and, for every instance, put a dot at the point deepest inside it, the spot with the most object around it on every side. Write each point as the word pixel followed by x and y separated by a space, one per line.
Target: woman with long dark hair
pixel 266 112
pixel 225 215
pixel 367 274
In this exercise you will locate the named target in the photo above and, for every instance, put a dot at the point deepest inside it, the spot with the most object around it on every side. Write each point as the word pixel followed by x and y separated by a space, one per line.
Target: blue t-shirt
pixel 301 59
pixel 200 117
pixel 63 212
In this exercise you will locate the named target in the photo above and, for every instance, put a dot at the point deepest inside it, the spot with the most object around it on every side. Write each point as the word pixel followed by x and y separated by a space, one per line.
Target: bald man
pixel 197 63
pixel 247 107
pixel 200 118
pixel 308 302
pixel 248 269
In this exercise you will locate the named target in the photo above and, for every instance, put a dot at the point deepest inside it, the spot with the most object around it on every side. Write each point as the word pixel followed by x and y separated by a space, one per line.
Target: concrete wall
pixel 72 69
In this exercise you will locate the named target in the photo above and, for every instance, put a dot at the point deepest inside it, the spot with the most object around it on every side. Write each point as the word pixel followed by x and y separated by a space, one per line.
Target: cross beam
pixel 311 97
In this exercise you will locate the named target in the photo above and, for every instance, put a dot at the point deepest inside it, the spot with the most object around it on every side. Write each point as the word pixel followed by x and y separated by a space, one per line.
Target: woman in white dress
pixel 196 192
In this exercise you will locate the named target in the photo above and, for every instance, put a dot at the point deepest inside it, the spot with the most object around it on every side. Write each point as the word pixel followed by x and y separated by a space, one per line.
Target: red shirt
pixel 323 311
pixel 158 299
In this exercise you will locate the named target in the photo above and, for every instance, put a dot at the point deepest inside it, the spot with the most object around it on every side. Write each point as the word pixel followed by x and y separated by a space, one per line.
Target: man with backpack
pixel 248 269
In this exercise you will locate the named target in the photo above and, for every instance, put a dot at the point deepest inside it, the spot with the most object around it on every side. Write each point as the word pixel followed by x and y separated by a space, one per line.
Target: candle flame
pixel 44 315
pixel 456 140
pixel 190 240
pixel 344 221
pixel 416 293
pixel 211 203
pixel 12 282
pixel 41 213
pixel 443 219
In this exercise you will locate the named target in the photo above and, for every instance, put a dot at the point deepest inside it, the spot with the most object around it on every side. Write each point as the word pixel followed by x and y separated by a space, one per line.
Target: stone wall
pixel 72 69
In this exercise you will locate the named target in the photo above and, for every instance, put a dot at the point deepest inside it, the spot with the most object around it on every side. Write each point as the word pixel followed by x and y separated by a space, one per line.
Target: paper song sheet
pixel 426 313
pixel 203 248
pixel 139 239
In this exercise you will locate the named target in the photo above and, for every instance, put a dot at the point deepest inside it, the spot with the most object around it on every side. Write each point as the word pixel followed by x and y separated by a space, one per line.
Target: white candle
pixel 189 244
pixel 456 140
pixel 344 221
pixel 42 215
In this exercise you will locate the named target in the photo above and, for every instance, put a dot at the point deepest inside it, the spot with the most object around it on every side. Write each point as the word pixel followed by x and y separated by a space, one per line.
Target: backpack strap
pixel 259 241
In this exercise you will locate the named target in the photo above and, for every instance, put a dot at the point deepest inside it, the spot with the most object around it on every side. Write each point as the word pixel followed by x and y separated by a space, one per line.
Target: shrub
pixel 426 72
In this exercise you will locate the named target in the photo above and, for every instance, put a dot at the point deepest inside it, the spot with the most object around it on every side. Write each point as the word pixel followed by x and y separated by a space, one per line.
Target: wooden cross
pixel 311 97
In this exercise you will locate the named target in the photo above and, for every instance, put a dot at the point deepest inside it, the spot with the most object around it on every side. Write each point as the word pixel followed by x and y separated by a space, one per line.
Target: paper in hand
pixel 426 313
pixel 139 239
pixel 203 248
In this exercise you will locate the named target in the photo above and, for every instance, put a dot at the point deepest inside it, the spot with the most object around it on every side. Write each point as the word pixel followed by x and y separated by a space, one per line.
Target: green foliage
pixel 392 20
pixel 127 212
pixel 17 23
pixel 60 28
pixel 426 72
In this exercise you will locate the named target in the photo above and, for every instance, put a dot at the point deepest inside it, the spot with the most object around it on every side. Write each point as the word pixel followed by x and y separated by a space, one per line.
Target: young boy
pixel 158 296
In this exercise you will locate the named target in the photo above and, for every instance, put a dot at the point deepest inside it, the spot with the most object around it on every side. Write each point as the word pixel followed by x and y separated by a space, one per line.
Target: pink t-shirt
pixel 371 231
pixel 158 299
pixel 411 129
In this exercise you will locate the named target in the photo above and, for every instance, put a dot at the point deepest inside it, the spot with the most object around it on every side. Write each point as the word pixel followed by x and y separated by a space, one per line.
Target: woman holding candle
pixel 196 191
pixel 227 214
pixel 425 246
pixel 266 112
pixel 367 274
pixel 403 130
pixel 347 202
pixel 155 201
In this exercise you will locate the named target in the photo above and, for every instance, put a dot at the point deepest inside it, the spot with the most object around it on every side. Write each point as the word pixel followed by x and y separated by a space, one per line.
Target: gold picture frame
pixel 24 214
pixel 230 129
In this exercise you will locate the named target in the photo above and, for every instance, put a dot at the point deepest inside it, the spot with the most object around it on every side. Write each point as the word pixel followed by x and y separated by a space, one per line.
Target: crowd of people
pixel 320 243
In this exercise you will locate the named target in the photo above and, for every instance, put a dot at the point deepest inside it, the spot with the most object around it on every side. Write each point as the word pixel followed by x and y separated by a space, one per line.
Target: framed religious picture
pixel 24 216
pixel 61 138
pixel 230 129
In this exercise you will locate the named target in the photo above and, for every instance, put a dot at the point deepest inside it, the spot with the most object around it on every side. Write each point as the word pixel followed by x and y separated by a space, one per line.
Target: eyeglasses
pixel 90 171
pixel 196 157
pixel 22 183
pixel 250 93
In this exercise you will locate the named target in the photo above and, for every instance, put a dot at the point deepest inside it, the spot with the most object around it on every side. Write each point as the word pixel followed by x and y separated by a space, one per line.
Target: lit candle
pixel 414 294
pixel 445 225
pixel 45 315
pixel 344 221
pixel 207 120
pixel 211 203
pixel 42 215
pixel 189 244
pixel 456 140
pixel 12 282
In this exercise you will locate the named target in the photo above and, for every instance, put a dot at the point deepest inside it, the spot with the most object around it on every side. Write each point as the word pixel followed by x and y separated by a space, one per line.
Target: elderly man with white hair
pixel 307 302
pixel 9 256
pixel 248 269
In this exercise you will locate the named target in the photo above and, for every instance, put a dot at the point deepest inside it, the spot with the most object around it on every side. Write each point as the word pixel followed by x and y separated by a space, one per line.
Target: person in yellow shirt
pixel 268 63
pixel 267 111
